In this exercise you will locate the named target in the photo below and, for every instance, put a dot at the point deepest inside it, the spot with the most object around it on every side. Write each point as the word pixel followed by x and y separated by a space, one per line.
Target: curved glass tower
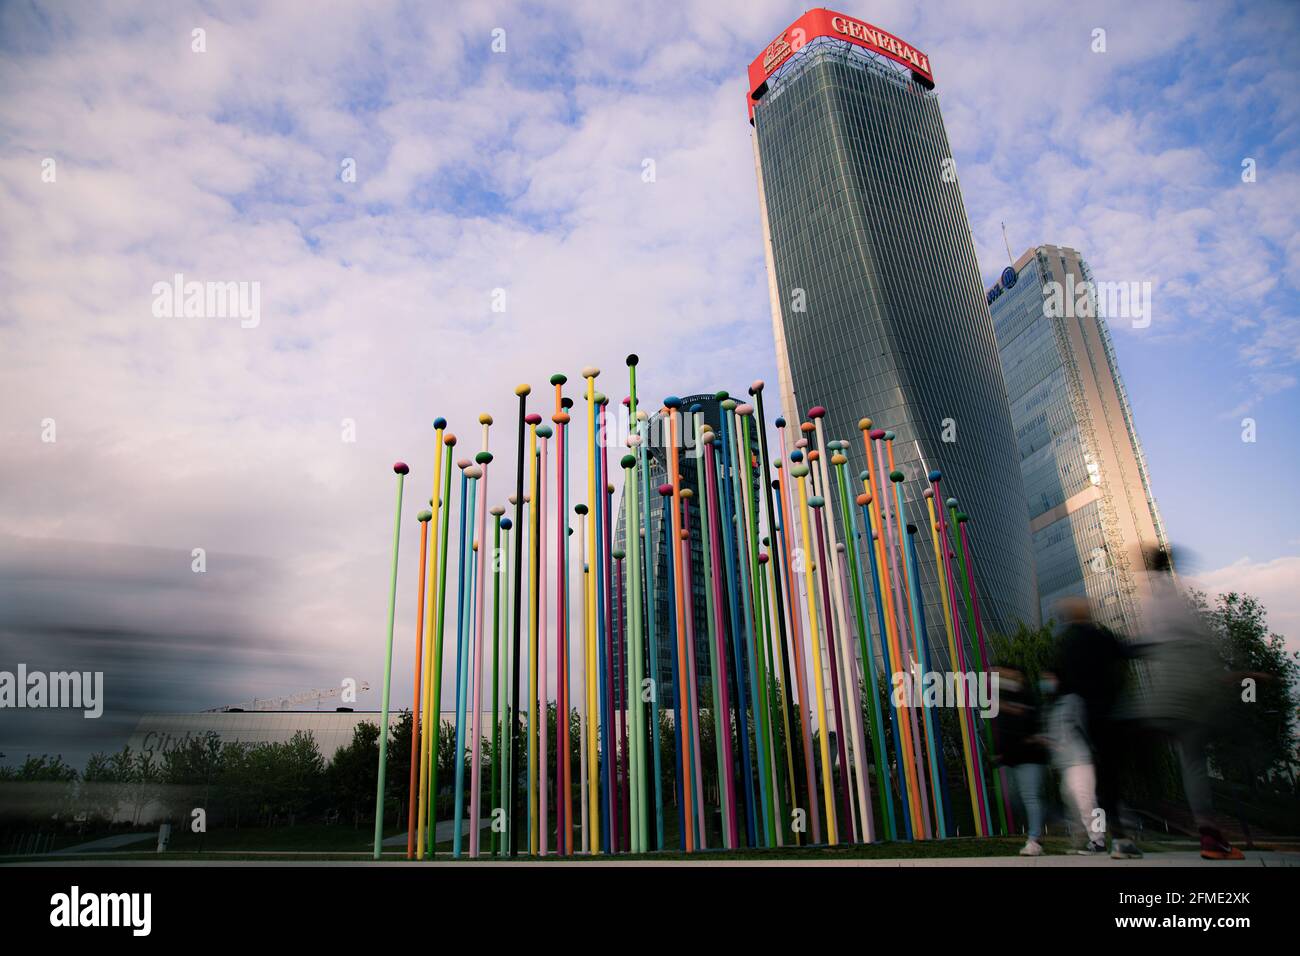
pixel 878 307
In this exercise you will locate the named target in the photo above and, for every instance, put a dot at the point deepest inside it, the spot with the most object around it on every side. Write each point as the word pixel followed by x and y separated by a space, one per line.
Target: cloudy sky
pixel 521 171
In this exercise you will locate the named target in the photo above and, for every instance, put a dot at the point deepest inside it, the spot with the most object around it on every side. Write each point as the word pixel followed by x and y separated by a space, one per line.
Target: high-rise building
pixel 878 308
pixel 1091 511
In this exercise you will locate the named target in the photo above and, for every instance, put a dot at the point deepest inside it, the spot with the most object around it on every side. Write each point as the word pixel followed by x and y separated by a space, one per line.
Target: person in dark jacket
pixel 1022 749
pixel 1092 663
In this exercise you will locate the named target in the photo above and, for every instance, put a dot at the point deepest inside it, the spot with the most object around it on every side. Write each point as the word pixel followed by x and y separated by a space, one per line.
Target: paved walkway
pixel 444 831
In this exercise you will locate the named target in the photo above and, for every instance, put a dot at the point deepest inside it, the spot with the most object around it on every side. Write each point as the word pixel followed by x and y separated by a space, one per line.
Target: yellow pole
pixel 800 471
pixel 593 778
pixel 431 722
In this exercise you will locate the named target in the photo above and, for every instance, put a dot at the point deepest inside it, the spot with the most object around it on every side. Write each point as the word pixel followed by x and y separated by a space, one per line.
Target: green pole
pixel 401 470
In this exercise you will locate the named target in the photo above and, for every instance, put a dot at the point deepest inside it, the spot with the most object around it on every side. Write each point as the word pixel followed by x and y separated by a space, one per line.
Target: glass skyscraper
pixel 878 308
pixel 1091 511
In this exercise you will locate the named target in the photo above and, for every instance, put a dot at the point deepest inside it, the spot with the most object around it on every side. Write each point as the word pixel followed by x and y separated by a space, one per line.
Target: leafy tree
pixel 1256 741
pixel 353 774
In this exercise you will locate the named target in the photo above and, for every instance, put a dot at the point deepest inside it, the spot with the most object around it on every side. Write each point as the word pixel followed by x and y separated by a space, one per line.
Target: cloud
pixel 519 171
pixel 1275 583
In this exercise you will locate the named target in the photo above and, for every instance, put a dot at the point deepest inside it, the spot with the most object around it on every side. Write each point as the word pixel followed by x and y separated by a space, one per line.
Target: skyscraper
pixel 878 308
pixel 1091 511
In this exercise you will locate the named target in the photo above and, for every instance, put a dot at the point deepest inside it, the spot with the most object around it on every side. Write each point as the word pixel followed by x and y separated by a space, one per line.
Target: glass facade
pixel 878 301
pixel 1090 505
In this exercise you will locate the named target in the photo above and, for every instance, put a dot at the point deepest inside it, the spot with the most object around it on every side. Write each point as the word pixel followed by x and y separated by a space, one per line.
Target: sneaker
pixel 1032 848
pixel 1092 849
pixel 1124 850
pixel 1215 847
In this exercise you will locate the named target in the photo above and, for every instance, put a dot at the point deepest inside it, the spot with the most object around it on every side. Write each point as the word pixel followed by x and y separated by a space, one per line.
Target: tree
pixel 1256 741
pixel 353 774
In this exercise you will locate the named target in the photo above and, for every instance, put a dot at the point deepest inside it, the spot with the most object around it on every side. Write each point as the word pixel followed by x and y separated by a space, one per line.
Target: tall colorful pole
pixel 671 405
pixel 731 552
pixel 468 475
pixel 710 543
pixel 801 670
pixel 585 726
pixel 497 751
pixel 401 471
pixel 840 461
pixel 848 669
pixel 787 703
pixel 975 769
pixel 516 802
pixel 756 635
pixel 440 619
pixel 652 631
pixel 482 459
pixel 908 758
pixel 431 720
pixel 563 798
pixel 593 802
pixel 999 778
pixel 534 522
pixel 799 472
pixel 412 807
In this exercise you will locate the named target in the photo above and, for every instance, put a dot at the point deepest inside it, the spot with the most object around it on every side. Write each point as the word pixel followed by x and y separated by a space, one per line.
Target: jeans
pixel 1029 783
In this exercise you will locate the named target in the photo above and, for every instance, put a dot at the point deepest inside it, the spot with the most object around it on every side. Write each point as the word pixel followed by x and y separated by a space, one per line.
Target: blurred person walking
pixel 1092 664
pixel 1180 695
pixel 1066 729
pixel 1022 748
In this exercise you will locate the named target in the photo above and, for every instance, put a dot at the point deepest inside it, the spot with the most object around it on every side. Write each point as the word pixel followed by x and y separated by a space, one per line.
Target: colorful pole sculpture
pixel 756 636
pixel 402 471
pixel 516 801
pixel 787 703
pixel 982 740
pixel 605 636
pixel 848 668
pixel 799 472
pixel 435 704
pixel 840 461
pixel 593 802
pixel 543 713
pixel 563 788
pixel 970 743
pixel 585 728
pixel 671 405
pixel 999 778
pixel 731 551
pixel 801 671
pixel 482 459
pixel 468 482
pixel 652 632
pixel 412 807
pixel 497 751
pixel 708 481
pixel 431 720
pixel 838 704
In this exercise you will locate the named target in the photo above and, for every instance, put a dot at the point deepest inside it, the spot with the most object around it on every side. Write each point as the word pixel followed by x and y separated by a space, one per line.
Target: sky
pixel 500 155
